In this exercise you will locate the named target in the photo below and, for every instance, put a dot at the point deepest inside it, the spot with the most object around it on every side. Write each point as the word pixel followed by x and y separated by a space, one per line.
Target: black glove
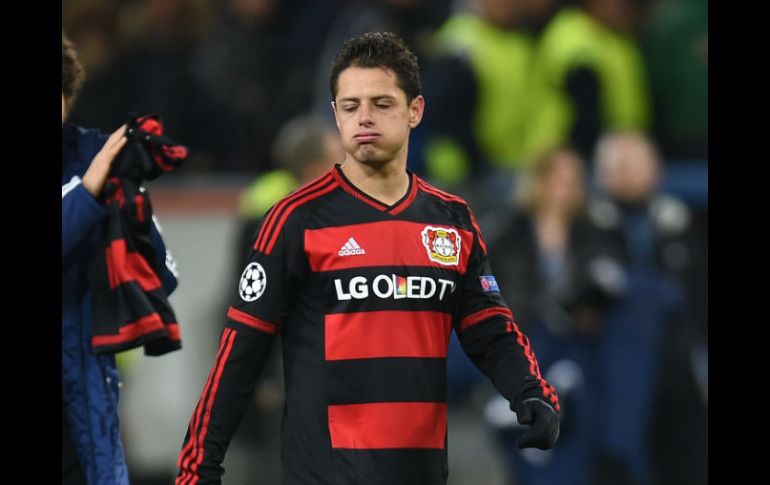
pixel 543 421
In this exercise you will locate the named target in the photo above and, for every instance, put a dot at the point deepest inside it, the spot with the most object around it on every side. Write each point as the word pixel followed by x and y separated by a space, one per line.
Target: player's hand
pixel 543 421
pixel 96 175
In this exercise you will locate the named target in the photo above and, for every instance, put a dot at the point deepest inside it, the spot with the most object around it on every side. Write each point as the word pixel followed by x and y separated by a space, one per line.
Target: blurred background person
pixel 245 43
pixel 589 76
pixel 478 82
pixel 94 26
pixel 92 447
pixel 674 42
pixel 653 331
pixel 304 149
pixel 89 454
pixel 561 276
pixel 141 53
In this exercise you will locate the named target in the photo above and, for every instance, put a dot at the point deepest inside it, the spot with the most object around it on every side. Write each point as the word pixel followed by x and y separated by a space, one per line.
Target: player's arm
pixel 253 320
pixel 494 342
pixel 229 386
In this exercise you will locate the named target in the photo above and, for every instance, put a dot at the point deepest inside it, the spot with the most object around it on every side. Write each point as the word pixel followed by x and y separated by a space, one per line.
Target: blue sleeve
pixel 167 264
pixel 80 214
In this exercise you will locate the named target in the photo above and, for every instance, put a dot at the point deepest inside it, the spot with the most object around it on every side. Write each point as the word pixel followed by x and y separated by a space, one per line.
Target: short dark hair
pixel 72 73
pixel 379 49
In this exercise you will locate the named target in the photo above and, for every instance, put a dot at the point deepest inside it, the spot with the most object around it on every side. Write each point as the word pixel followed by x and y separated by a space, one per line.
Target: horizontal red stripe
pixel 251 321
pixel 367 335
pixel 386 243
pixel 482 315
pixel 124 266
pixel 150 323
pixel 388 425
pixel 139 201
pixel 172 330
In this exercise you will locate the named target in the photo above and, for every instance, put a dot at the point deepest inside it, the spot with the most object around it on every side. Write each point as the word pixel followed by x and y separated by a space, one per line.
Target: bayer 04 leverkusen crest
pixel 443 244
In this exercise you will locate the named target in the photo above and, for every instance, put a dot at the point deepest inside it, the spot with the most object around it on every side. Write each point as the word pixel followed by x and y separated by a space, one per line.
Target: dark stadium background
pixel 224 91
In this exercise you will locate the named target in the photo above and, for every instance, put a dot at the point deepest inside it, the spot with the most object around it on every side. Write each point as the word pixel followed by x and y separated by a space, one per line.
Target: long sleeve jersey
pixel 364 296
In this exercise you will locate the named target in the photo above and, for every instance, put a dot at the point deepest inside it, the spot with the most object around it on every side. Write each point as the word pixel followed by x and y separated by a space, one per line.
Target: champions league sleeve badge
pixel 443 245
pixel 253 282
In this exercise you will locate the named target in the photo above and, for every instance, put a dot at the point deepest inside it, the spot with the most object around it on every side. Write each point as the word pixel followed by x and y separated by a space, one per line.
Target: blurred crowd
pixel 557 120
pixel 504 79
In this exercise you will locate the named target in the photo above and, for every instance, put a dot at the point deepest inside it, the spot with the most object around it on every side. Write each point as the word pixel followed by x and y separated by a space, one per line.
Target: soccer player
pixel 364 272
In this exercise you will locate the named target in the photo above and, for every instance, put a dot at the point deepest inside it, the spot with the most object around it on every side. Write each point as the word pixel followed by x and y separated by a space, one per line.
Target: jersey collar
pixel 394 209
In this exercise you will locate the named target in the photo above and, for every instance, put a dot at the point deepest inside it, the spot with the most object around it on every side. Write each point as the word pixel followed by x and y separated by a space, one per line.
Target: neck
pixel 552 231
pixel 387 182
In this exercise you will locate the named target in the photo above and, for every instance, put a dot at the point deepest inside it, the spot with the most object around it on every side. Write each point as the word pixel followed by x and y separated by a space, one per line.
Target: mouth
pixel 366 137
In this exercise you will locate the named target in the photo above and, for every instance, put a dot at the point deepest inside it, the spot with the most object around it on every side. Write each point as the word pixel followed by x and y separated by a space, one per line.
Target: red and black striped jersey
pixel 364 296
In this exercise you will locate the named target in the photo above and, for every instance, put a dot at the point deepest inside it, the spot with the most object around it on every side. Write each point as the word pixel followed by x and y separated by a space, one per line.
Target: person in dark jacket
pixel 92 452
pixel 654 349
pixel 560 276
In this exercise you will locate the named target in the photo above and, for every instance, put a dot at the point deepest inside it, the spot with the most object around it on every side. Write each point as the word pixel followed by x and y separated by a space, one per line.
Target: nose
pixel 365 117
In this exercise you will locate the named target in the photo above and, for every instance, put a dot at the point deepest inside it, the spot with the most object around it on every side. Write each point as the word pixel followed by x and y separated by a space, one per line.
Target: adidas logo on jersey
pixel 351 248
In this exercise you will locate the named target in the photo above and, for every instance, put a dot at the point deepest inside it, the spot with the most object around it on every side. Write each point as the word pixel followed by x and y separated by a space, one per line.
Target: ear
pixel 334 110
pixel 416 110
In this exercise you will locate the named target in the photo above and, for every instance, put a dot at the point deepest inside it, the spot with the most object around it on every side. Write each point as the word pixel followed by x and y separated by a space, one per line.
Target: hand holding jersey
pixel 96 175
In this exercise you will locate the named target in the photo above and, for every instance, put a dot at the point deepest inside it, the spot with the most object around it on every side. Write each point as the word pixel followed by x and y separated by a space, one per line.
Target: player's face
pixel 373 115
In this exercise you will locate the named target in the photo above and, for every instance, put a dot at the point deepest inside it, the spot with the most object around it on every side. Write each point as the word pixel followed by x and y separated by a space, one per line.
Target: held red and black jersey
pixel 364 296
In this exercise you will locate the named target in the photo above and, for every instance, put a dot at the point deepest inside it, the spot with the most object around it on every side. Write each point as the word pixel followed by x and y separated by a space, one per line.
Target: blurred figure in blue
pixel 653 332
pixel 92 449
pixel 560 275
